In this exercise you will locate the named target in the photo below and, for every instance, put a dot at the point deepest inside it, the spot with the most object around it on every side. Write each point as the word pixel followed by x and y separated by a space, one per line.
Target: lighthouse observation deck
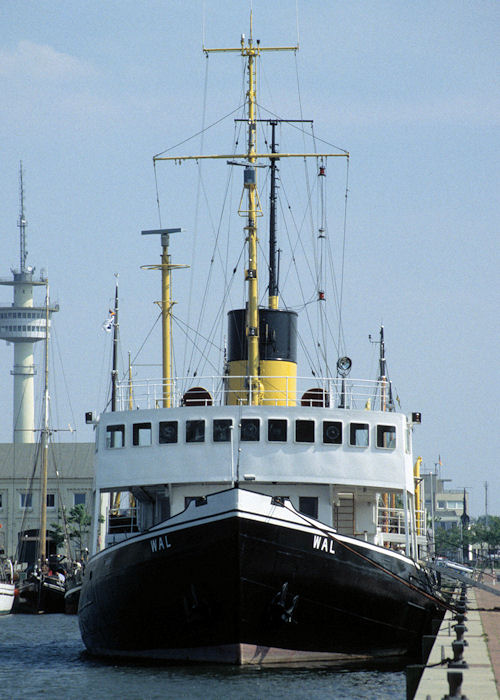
pixel 21 321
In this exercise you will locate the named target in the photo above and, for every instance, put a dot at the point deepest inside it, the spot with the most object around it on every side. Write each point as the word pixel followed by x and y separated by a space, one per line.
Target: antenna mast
pixel 22 223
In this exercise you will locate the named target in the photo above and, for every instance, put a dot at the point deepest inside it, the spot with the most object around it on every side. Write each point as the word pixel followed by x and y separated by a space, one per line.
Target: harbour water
pixel 43 656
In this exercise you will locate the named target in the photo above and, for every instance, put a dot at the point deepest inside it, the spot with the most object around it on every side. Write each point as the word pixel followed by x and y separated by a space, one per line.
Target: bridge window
pixel 359 434
pixel 332 432
pixel 195 431
pixel 309 506
pixel 115 436
pixel 222 429
pixel 386 436
pixel 250 429
pixel 141 434
pixel 167 431
pixel 304 431
pixel 277 430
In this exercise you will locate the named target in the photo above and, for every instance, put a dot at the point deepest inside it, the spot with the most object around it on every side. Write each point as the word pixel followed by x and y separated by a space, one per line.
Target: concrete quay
pixel 479 677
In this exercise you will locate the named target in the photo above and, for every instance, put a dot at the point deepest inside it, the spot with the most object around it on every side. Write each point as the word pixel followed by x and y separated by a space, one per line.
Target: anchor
pixel 281 609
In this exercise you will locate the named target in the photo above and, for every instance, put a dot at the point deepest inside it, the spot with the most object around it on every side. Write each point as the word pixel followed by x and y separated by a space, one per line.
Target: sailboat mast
pixel 45 439
pixel 114 371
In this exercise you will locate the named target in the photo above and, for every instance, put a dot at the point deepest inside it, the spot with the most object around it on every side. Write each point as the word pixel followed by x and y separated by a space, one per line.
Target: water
pixel 42 656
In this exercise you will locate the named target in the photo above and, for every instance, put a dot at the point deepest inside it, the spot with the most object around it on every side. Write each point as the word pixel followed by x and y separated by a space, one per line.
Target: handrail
pixel 330 392
pixel 392 521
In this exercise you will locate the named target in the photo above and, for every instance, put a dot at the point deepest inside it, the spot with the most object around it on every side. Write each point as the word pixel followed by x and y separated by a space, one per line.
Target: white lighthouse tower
pixel 24 324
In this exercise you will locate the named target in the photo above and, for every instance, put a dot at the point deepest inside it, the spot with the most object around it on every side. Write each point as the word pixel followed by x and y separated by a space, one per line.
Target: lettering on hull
pixel 159 544
pixel 324 544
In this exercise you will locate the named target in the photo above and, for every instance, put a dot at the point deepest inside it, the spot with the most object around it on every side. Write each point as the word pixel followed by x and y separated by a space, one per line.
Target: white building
pixel 70 477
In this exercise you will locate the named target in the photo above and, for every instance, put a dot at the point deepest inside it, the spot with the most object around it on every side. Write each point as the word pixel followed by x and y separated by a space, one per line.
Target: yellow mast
pixel 166 308
pixel 166 304
pixel 251 51
pixel 418 498
pixel 251 275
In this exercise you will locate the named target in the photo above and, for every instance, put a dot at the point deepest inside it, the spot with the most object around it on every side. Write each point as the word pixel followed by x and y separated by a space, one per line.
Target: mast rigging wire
pixel 197 207
pixel 193 136
pixel 215 249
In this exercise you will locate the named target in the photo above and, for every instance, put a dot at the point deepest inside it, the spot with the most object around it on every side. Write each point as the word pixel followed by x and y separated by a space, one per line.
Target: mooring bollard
pixel 458 655
pixel 455 686
pixel 459 631
pixel 460 617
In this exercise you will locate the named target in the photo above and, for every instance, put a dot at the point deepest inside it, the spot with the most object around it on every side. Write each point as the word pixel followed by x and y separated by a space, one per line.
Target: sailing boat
pixel 44 588
pixel 117 522
pixel 7 586
pixel 264 534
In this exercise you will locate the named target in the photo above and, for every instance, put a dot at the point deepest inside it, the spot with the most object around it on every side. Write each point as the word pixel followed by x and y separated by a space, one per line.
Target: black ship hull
pixel 241 588
pixel 40 595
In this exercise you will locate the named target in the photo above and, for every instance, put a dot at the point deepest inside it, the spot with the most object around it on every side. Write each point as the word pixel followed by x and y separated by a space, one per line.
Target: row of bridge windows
pixel 253 430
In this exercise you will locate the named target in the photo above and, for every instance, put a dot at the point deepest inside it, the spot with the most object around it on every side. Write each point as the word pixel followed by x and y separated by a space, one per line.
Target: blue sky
pixel 92 90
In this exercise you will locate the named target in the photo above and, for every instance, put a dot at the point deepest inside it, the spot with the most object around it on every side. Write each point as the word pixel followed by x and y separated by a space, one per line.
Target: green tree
pixel 79 521
pixel 487 532
pixel 448 542
pixel 56 533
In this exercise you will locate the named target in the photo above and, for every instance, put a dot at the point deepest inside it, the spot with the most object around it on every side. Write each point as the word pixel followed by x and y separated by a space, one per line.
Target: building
pixel 444 505
pixel 69 483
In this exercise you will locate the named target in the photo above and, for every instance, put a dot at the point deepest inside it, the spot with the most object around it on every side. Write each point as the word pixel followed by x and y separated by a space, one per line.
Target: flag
pixel 108 323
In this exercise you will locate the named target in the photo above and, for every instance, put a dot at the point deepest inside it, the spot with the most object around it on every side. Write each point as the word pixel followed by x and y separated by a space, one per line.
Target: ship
pixel 7 586
pixel 271 517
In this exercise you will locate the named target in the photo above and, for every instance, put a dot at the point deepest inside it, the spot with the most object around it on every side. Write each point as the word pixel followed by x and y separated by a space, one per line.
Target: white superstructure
pixel 332 458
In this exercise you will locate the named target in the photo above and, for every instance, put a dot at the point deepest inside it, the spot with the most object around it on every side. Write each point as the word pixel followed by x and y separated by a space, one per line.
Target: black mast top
pixel 273 271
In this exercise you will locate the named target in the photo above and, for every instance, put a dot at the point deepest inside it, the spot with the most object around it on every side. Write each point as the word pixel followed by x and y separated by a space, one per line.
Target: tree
pixel 56 533
pixel 448 541
pixel 488 531
pixel 79 521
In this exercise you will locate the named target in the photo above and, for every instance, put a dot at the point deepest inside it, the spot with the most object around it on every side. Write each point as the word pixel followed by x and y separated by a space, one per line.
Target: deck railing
pixel 214 390
pixel 392 521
